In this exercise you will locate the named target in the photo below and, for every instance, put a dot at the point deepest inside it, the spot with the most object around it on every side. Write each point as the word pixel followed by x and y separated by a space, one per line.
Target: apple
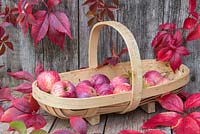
pixel 152 78
pixel 99 79
pixel 64 89
pixel 104 89
pixel 118 80
pixel 123 87
pixel 85 82
pixel 46 79
pixel 85 91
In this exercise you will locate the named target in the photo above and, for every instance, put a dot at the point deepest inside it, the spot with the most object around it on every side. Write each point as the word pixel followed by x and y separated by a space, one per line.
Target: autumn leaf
pixel 22 75
pixel 193 101
pixel 78 124
pixel 22 104
pixel 171 102
pixel 25 87
pixel 162 119
pixel 5 94
pixel 187 125
pixel 189 23
pixel 194 34
pixel 10 114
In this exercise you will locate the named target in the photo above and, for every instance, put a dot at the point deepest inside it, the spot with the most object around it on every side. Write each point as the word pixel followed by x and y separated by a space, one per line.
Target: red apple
pixel 64 89
pixel 85 82
pixel 118 80
pixel 123 87
pixel 46 79
pixel 104 89
pixel 99 79
pixel 152 78
pixel 85 91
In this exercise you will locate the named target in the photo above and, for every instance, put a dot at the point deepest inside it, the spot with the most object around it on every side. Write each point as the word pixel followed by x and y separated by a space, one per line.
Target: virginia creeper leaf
pixel 167 26
pixel 11 114
pixel 22 104
pixel 154 132
pixel 2 32
pixel 63 132
pixel 163 119
pixel 171 102
pixel 1 111
pixel 175 61
pixel 187 125
pixel 194 34
pixel 34 104
pixel 39 69
pixel 192 6
pixel 18 126
pixel 193 101
pixel 60 22
pixel 21 75
pixel 5 94
pixel 56 37
pixel 195 116
pixel 78 124
pixel 37 121
pixel 25 87
pixel 53 3
pixel 40 28
pixel 129 132
pixel 189 23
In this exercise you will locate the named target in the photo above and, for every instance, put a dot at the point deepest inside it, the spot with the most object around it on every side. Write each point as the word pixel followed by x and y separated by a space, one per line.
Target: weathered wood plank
pixel 131 121
pixel 64 125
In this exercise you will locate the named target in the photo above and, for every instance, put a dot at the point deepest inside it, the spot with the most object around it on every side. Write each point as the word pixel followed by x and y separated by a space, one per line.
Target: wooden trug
pixel 92 108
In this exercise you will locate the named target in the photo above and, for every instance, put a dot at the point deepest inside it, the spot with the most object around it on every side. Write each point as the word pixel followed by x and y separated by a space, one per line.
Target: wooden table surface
pixel 110 124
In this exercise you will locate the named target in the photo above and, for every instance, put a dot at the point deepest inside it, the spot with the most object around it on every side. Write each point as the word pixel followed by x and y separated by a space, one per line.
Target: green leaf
pixel 19 126
pixel 40 131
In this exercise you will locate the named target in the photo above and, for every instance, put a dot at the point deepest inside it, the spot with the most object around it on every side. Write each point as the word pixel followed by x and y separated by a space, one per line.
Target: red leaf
pixel 154 132
pixel 53 3
pixel 189 23
pixel 193 101
pixel 187 125
pixel 78 124
pixel 164 54
pixel 167 26
pixel 116 2
pixel 175 61
pixel 21 75
pixel 25 118
pixel 25 87
pixel 5 94
pixel 182 50
pixel 34 104
pixel 22 104
pixel 178 38
pixel 39 69
pixel 194 34
pixel 129 132
pixel 2 49
pixel 32 120
pixel 37 121
pixel 2 32
pixel 192 6
pixel 63 132
pixel 196 117
pixel 163 119
pixel 184 95
pixel 11 114
pixel 171 102
pixel 56 37
pixel 40 29
pixel 9 45
pixel 1 111
pixel 60 22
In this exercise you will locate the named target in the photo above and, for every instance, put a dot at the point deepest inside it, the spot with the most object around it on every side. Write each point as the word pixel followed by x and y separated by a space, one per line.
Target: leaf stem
pixel 45 3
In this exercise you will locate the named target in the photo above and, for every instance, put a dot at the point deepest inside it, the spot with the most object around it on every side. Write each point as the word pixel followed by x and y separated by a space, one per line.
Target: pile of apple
pixel 98 85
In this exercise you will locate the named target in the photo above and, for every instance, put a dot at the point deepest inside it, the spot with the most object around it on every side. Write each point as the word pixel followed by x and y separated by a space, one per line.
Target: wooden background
pixel 142 17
